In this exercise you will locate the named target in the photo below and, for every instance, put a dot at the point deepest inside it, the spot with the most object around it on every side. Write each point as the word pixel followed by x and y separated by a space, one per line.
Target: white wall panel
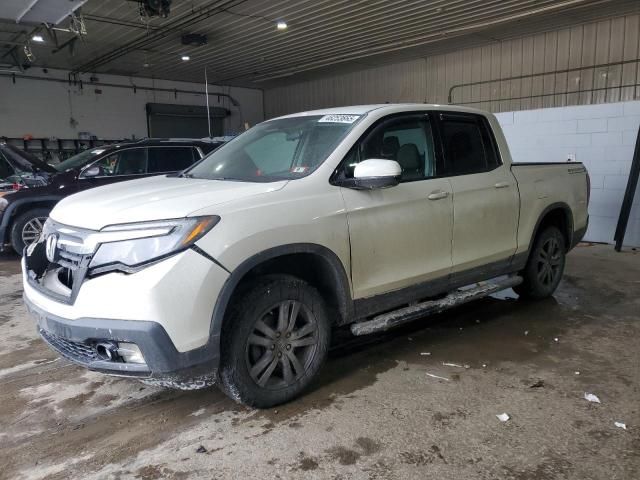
pixel 44 109
pixel 602 137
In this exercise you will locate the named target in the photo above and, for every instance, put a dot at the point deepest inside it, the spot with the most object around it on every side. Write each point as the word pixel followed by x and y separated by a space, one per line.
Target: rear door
pixel 400 236
pixel 485 196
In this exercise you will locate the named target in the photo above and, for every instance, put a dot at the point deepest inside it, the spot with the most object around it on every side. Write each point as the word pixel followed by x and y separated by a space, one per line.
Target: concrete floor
pixel 375 413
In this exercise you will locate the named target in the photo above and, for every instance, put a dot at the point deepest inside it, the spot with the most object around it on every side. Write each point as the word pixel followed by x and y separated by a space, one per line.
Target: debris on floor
pixel 591 397
pixel 436 376
pixel 201 449
pixel 538 384
pixel 503 417
pixel 457 365
pixel 620 425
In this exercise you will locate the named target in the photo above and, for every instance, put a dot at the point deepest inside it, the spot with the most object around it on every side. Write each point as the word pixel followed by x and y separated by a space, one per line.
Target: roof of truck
pixel 384 108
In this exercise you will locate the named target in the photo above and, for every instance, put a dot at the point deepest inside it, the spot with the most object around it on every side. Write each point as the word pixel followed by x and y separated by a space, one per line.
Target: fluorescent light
pixel 186 58
pixel 37 38
pixel 281 25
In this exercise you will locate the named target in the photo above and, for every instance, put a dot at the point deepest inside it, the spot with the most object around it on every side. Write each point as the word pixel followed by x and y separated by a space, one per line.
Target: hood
pixel 154 198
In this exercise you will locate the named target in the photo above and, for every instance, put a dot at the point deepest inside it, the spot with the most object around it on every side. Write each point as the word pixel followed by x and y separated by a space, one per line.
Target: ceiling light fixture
pixel 38 38
pixel 186 58
pixel 281 25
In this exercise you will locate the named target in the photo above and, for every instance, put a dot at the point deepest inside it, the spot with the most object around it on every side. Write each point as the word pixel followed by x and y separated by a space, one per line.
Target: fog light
pixel 130 353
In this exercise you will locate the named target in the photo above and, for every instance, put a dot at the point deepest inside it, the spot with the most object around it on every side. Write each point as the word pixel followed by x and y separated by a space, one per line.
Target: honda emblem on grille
pixel 51 245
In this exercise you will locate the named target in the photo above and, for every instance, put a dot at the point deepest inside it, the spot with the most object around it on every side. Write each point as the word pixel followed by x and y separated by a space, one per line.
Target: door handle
pixel 501 185
pixel 438 195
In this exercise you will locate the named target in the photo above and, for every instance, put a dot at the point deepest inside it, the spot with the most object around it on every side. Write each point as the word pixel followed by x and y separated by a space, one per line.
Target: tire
pixel 545 265
pixel 260 365
pixel 26 226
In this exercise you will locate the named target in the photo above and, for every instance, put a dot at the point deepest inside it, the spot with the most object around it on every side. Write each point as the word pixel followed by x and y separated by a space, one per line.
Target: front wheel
pixel 274 343
pixel 545 266
pixel 27 228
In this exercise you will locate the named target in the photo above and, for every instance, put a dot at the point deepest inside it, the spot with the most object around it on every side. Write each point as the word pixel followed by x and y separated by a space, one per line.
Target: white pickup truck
pixel 235 271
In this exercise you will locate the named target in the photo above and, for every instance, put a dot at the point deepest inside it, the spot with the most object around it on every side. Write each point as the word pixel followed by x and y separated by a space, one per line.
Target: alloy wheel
pixel 282 345
pixel 549 262
pixel 32 230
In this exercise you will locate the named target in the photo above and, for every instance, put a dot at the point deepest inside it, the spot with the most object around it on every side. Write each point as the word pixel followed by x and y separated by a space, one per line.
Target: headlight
pixel 128 246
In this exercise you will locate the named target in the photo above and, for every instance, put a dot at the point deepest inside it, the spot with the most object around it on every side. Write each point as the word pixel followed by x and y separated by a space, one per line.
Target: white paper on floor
pixel 503 417
pixel 591 397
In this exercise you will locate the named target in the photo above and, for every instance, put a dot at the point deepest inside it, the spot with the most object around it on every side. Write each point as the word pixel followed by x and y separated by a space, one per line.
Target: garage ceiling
pixel 245 47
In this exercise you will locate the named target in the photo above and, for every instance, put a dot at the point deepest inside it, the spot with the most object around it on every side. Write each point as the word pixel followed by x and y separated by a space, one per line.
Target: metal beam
pixel 29 6
pixel 629 193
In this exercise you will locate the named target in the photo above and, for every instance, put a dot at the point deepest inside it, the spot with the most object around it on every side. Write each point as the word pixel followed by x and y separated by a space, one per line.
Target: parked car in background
pixel 23 211
pixel 19 169
pixel 237 270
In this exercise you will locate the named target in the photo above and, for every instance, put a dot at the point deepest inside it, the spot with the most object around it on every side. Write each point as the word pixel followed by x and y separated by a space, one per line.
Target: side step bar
pixel 392 319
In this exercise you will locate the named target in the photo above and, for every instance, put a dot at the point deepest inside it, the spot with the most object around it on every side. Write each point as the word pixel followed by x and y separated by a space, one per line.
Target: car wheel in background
pixel 27 228
pixel 275 341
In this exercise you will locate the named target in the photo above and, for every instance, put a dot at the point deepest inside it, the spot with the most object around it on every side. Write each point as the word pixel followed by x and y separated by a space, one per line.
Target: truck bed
pixel 542 186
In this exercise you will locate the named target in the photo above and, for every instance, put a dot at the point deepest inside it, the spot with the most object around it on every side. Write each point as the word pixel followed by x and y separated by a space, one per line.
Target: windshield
pixel 283 149
pixel 79 160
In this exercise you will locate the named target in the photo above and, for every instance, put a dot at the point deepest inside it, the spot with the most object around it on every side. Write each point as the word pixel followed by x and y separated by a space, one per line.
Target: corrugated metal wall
pixel 429 79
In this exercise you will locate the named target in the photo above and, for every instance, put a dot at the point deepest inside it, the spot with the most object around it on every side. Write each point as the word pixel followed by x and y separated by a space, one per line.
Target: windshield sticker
pixel 339 118
pixel 299 169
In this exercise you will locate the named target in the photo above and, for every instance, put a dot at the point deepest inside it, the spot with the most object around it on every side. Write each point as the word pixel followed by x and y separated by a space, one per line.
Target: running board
pixel 392 319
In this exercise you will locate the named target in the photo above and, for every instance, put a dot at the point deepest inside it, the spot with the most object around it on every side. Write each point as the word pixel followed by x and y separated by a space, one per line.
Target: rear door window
pixel 170 159
pixel 468 144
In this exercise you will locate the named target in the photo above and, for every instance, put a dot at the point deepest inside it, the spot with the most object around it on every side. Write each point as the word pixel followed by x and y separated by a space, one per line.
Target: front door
pixel 400 236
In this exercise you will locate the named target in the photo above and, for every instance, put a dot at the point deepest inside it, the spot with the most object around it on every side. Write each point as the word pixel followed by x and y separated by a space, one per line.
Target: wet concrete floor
pixel 379 411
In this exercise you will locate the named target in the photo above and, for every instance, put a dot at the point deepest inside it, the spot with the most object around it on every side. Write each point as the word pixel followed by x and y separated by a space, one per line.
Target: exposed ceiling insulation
pixel 245 47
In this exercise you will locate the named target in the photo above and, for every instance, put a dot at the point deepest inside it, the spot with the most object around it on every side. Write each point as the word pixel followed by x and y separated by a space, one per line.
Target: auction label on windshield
pixel 339 118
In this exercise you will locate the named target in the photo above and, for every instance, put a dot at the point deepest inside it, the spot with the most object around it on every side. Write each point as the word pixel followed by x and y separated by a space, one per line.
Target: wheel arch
pixel 559 215
pixel 325 271
pixel 20 206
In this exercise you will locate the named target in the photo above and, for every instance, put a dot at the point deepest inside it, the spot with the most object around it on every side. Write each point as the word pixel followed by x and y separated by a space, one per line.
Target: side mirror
pixel 376 173
pixel 92 172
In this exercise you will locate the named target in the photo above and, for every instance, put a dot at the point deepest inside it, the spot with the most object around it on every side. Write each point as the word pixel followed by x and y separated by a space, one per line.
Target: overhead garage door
pixel 183 121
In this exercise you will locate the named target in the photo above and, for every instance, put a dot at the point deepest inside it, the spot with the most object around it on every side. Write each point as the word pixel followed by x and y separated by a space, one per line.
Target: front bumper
pixel 77 339
pixel 164 309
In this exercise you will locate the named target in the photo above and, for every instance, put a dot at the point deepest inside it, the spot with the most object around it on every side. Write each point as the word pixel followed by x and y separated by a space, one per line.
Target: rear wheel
pixel 275 342
pixel 545 266
pixel 27 228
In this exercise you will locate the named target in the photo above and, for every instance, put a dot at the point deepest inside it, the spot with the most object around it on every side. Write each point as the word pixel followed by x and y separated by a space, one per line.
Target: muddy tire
pixel 274 341
pixel 545 266
pixel 27 227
